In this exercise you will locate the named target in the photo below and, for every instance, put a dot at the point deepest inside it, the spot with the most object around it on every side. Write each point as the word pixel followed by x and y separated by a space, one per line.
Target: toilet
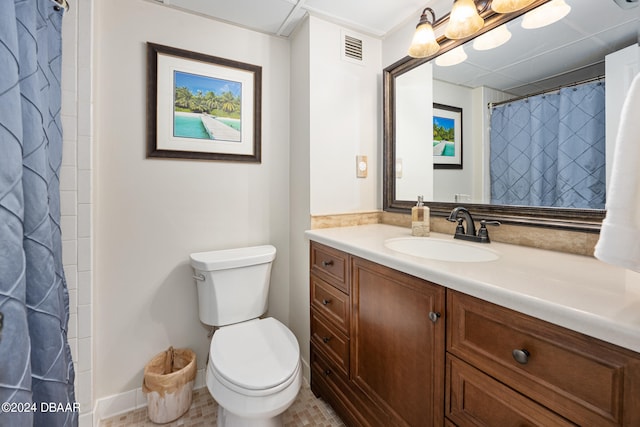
pixel 254 370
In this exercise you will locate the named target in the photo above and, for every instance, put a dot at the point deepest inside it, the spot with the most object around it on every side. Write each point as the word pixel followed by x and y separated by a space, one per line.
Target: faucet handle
pixel 483 233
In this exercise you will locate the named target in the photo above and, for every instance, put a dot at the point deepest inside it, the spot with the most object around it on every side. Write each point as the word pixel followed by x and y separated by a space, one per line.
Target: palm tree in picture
pixel 183 97
pixel 211 101
pixel 229 103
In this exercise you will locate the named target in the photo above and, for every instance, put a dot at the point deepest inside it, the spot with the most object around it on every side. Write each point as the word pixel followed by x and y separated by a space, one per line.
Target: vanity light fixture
pixel 508 6
pixel 492 39
pixel 464 20
pixel 546 14
pixel 424 40
pixel 453 57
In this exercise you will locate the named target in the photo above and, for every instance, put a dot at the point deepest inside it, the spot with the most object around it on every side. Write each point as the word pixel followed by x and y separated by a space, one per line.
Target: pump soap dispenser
pixel 420 221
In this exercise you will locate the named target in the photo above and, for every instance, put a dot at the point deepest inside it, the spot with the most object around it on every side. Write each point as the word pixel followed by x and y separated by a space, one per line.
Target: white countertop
pixel 577 292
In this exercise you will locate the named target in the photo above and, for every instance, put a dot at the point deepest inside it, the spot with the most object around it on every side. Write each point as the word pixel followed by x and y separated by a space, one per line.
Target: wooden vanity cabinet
pixel 378 356
pixel 524 367
pixel 379 360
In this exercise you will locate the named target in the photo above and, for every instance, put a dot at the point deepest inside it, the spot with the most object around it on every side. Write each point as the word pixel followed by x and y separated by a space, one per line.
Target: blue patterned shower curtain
pixel 36 370
pixel 549 150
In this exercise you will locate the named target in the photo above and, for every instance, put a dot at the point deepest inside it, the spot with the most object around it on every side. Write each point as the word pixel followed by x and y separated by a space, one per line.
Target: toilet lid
pixel 256 355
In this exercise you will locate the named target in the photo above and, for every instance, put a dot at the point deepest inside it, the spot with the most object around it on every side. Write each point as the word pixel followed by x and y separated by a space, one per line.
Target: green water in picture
pixel 189 126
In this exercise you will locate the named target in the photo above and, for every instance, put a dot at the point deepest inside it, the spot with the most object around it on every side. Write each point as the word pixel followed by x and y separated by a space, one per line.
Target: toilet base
pixel 228 419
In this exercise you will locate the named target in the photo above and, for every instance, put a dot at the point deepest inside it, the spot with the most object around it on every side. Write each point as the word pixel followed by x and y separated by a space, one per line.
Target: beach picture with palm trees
pixel 447 137
pixel 202 107
pixel 207 108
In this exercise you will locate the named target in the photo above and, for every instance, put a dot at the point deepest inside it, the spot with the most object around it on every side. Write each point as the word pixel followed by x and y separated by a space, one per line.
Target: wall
pixel 76 196
pixel 344 122
pixel 300 197
pixel 150 214
pixel 449 182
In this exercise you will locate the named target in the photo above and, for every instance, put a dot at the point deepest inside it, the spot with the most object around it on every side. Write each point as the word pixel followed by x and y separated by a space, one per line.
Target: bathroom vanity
pixel 531 337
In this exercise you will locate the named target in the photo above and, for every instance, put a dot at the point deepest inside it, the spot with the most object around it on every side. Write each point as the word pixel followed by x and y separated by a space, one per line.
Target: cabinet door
pixel 397 351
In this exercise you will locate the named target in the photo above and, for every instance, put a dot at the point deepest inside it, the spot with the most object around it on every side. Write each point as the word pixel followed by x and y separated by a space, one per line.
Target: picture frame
pixel 447 137
pixel 202 107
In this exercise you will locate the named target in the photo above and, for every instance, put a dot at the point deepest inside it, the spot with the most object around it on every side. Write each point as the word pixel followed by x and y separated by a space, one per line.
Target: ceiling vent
pixel 627 4
pixel 352 48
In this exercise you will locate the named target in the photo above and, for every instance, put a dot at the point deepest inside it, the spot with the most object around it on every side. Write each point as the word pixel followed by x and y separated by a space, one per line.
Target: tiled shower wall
pixel 76 194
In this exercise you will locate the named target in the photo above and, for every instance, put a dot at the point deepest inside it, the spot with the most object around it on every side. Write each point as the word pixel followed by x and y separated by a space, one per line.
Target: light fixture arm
pixel 424 19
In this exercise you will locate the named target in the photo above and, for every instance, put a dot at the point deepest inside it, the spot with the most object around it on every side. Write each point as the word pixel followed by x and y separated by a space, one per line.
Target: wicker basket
pixel 168 384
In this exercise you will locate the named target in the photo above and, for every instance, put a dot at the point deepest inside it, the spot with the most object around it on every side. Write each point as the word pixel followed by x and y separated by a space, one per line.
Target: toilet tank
pixel 233 284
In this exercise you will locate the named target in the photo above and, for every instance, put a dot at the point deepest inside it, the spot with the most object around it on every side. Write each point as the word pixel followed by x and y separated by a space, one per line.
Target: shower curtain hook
pixel 61 4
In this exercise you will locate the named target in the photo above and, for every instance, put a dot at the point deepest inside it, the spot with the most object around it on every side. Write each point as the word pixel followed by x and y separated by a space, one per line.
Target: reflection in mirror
pixel 596 40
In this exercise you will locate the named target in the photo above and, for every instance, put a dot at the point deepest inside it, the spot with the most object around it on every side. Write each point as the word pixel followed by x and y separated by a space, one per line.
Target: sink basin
pixel 441 250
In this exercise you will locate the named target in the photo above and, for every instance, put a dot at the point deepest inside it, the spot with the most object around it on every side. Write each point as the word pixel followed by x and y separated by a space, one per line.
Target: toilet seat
pixel 257 357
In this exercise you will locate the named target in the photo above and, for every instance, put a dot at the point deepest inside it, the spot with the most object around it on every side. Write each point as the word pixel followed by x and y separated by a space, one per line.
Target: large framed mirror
pixel 592 44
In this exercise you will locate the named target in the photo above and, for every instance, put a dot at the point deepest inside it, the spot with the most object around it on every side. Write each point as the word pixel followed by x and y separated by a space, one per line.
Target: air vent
pixel 352 48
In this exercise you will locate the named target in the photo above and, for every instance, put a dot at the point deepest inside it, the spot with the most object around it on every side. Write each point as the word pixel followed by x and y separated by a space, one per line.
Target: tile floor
pixel 307 410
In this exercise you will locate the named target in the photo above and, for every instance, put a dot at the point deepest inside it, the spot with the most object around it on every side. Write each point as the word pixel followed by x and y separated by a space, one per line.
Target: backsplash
pixel 574 242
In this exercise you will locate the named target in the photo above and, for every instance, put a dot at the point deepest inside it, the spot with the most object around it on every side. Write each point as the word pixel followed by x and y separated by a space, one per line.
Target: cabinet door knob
pixel 326 339
pixel 326 301
pixel 434 316
pixel 327 263
pixel 327 372
pixel 521 355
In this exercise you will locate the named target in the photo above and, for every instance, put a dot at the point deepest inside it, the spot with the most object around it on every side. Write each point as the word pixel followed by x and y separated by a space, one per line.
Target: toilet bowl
pixel 254 370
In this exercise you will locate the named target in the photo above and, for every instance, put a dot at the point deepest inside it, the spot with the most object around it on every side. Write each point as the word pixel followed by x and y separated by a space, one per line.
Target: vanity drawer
pixel 331 302
pixel 475 399
pixel 583 379
pixel 331 342
pixel 331 264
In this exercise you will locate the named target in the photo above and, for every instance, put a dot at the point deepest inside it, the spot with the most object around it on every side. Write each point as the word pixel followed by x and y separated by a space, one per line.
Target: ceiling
pixel 281 17
pixel 577 44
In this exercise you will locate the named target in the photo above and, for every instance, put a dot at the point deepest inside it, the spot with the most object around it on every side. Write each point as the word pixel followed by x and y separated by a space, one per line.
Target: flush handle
pixel 327 263
pixel 199 277
pixel 521 355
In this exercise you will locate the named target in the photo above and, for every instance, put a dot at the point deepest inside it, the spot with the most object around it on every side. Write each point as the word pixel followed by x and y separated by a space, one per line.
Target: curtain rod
pixel 542 92
pixel 63 3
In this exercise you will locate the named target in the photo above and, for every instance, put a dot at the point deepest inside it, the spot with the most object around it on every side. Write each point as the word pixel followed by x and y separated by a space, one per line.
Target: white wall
pixel 449 182
pixel 344 122
pixel 76 196
pixel 151 213
pixel 300 197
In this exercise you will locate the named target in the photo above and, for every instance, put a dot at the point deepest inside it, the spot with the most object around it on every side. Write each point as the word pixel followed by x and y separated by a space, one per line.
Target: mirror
pixel 531 61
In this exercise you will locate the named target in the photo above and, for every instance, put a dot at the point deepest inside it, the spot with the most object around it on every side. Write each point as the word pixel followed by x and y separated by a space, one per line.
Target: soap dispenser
pixel 420 221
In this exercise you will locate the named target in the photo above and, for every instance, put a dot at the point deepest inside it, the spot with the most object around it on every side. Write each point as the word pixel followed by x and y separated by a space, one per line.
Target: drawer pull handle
pixel 326 339
pixel 521 356
pixel 327 263
pixel 434 316
pixel 326 301
pixel 327 372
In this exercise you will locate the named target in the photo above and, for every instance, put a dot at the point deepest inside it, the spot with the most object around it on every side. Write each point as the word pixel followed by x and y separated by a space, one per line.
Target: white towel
pixel 619 242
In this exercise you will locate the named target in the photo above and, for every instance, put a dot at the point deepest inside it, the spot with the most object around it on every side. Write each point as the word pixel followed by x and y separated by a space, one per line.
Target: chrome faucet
pixel 461 214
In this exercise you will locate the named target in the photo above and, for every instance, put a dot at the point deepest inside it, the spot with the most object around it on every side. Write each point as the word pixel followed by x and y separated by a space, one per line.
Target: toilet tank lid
pixel 232 258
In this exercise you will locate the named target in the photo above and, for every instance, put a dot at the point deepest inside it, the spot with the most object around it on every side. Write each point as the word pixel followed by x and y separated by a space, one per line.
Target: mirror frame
pixel 560 218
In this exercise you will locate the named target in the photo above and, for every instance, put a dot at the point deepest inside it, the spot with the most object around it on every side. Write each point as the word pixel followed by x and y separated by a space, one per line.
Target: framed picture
pixel 202 107
pixel 447 137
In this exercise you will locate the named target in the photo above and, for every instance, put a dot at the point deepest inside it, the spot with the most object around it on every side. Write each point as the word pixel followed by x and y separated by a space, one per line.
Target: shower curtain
pixel 36 370
pixel 549 150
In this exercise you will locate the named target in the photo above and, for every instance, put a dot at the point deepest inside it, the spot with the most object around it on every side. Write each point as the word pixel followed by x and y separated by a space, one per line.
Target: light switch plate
pixel 361 166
